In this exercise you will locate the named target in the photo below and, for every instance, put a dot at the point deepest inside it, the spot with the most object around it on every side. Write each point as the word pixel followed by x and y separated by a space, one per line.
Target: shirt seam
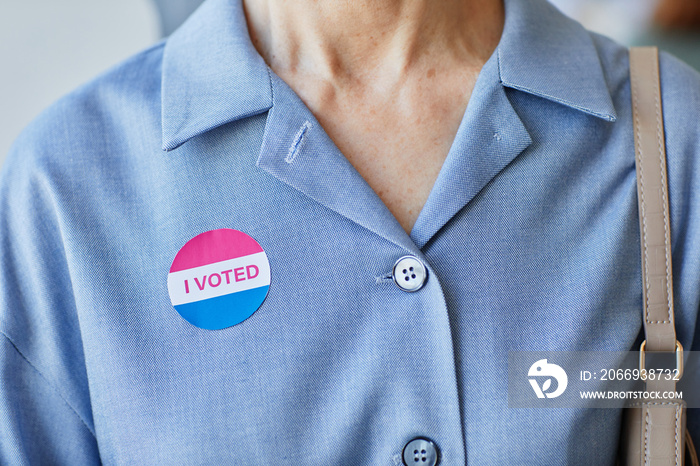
pixel 49 384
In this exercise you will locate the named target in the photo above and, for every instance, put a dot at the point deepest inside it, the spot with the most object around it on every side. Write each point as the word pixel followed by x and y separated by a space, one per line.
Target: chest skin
pixel 396 137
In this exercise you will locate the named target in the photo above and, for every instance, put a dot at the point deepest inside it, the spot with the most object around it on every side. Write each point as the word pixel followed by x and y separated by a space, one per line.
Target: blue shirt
pixel 530 237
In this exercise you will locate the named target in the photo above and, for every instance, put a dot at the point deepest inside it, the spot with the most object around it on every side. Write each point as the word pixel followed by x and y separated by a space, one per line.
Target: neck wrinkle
pixel 359 41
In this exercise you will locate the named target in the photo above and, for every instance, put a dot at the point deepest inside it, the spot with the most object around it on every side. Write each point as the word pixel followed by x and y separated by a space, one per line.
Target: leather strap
pixel 657 428
pixel 652 190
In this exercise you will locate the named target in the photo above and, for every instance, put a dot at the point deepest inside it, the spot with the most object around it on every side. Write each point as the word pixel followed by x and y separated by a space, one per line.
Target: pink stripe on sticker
pixel 214 246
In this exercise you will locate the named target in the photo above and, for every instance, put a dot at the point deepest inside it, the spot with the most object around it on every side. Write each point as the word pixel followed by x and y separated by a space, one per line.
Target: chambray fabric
pixel 530 236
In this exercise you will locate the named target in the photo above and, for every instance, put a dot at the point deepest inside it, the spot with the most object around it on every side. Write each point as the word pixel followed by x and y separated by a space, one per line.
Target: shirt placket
pixel 411 326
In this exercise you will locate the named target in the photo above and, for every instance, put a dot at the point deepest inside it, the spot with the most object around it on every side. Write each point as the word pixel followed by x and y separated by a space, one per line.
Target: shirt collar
pixel 213 75
pixel 547 54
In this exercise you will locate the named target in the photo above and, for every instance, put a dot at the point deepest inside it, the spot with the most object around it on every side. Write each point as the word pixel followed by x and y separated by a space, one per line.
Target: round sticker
pixel 219 279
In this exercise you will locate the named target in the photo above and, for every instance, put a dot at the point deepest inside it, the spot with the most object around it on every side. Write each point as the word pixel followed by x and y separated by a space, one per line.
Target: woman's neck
pixel 362 41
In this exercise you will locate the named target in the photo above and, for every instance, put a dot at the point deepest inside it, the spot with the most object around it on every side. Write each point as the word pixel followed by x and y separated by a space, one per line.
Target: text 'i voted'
pixel 219 278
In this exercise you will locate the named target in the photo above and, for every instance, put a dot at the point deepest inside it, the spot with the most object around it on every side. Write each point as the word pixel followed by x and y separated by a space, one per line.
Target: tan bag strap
pixel 663 426
pixel 652 191
pixel 654 432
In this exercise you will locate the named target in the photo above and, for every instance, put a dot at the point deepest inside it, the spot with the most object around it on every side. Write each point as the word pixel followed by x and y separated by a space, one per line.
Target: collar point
pixel 172 142
pixel 606 114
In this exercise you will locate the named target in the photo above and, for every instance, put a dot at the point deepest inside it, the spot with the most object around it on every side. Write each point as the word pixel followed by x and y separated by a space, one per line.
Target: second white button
pixel 409 273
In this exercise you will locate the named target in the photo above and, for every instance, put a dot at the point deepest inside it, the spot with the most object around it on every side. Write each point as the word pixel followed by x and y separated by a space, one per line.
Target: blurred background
pixel 49 47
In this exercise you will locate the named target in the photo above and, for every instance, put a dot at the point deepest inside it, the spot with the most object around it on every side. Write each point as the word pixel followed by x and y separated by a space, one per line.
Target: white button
pixel 409 274
pixel 421 451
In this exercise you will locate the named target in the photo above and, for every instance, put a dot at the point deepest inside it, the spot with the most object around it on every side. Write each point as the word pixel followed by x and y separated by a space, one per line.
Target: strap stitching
pixel 642 205
pixel 639 156
pixel 646 436
pixel 647 426
pixel 664 198
pixel 677 426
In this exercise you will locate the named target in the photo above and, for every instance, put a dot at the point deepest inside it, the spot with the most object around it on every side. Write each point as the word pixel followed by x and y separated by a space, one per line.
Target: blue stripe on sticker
pixel 223 311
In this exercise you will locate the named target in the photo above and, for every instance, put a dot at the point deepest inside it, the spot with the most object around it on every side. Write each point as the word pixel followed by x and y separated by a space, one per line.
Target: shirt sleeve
pixel 45 409
pixel 37 426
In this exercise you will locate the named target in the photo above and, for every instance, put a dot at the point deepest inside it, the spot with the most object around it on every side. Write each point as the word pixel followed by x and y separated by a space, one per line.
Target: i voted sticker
pixel 219 279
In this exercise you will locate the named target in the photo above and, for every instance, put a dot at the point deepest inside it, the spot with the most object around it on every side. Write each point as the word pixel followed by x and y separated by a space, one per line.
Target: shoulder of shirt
pixel 680 88
pixel 680 83
pixel 78 118
pixel 680 91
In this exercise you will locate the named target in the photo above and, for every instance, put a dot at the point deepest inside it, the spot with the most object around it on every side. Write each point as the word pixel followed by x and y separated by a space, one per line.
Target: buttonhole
pixel 298 142
pixel 388 278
